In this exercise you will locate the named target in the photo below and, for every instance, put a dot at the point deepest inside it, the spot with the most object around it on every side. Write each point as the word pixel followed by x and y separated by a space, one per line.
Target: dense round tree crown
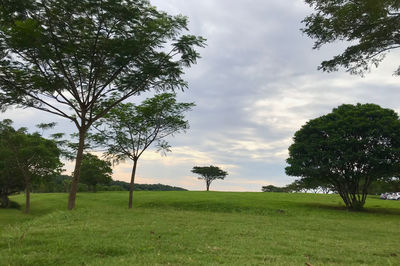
pixel 349 148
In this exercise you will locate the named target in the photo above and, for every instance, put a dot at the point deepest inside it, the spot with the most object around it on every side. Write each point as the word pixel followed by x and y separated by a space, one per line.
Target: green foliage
pixel 348 149
pixel 62 183
pixel 384 185
pixel 370 27
pixel 309 184
pixel 95 171
pixel 11 180
pixel 272 188
pixel 79 58
pixel 72 51
pixel 200 228
pixel 209 174
pixel 25 159
pixel 128 130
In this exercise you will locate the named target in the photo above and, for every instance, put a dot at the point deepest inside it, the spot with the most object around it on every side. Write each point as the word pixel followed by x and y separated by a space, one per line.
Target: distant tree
pixel 370 27
pixel 384 185
pixel 77 59
pixel 348 149
pixel 295 186
pixel 95 171
pixel 315 185
pixel 272 188
pixel 128 130
pixel 27 156
pixel 209 174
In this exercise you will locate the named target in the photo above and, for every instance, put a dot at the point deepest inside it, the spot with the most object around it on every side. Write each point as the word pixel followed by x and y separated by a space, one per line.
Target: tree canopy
pixel 77 59
pixel 26 158
pixel 370 27
pixel 348 149
pixel 272 188
pixel 128 129
pixel 209 174
pixel 95 171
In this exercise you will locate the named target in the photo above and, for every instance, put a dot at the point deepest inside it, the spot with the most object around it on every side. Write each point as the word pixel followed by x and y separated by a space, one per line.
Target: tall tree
pixel 77 59
pixel 128 130
pixel 370 27
pixel 29 156
pixel 209 174
pixel 348 149
pixel 95 171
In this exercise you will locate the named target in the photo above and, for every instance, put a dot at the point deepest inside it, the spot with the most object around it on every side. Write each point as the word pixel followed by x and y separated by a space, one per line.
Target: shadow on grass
pixel 209 206
pixel 287 210
pixel 372 210
pixel 13 205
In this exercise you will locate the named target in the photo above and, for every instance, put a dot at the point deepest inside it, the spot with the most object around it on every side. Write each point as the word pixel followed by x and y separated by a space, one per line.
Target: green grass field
pixel 199 228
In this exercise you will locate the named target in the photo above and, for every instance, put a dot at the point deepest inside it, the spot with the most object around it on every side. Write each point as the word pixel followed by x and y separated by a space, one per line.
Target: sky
pixel 256 84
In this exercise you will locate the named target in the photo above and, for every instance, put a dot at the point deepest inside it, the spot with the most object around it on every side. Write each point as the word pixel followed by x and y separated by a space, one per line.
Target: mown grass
pixel 200 228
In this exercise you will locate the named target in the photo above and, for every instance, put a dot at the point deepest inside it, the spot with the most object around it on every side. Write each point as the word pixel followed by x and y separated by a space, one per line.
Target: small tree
pixel 77 59
pixel 348 149
pixel 128 130
pixel 272 188
pixel 95 171
pixel 209 174
pixel 369 26
pixel 28 156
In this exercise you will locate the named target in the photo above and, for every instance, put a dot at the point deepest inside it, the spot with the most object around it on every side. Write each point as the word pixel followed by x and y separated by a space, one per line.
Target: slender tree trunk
pixel 208 185
pixel 77 170
pixel 132 183
pixel 27 195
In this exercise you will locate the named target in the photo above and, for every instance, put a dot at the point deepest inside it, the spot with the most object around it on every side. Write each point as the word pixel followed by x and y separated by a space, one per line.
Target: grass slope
pixel 199 228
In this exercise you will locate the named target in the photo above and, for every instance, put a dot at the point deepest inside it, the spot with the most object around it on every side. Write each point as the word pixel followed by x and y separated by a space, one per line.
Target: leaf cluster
pixel 349 148
pixel 128 129
pixel 209 172
pixel 95 171
pixel 25 158
pixel 371 27
pixel 86 56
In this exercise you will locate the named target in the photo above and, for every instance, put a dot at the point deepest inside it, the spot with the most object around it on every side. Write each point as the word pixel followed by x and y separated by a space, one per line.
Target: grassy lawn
pixel 199 228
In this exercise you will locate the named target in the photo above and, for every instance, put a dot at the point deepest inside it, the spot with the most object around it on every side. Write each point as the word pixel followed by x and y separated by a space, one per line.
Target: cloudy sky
pixel 256 84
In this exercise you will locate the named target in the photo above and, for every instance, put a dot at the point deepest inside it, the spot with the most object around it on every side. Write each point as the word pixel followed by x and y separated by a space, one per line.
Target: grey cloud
pixel 256 84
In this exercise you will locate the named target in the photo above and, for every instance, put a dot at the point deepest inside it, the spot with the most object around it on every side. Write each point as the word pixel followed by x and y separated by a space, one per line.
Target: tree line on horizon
pixel 302 186
pixel 62 184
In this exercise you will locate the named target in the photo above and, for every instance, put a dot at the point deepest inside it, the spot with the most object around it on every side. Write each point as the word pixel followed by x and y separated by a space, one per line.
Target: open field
pixel 199 228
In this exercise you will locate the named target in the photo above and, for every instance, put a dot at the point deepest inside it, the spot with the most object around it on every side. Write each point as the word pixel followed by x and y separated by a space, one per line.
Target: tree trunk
pixel 132 183
pixel 77 170
pixel 5 201
pixel 208 183
pixel 27 195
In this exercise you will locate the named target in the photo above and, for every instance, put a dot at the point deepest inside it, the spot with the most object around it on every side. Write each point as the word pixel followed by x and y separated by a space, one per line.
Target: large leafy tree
pixel 27 157
pixel 95 171
pixel 209 174
pixel 79 58
pixel 11 180
pixel 370 27
pixel 348 149
pixel 128 130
